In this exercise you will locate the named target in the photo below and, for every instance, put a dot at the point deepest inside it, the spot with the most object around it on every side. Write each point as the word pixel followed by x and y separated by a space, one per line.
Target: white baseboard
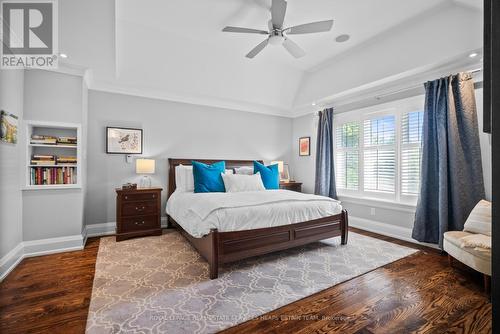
pixel 37 248
pixel 11 260
pixel 103 229
pixel 53 245
pixel 398 232
pixel 98 230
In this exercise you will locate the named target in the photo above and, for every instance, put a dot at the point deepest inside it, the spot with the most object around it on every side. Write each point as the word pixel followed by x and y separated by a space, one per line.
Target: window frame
pixel 396 108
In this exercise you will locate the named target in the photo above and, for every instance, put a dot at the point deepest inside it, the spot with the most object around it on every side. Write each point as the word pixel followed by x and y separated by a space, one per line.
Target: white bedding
pixel 198 213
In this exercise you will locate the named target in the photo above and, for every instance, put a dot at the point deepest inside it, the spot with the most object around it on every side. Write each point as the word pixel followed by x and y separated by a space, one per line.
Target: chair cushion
pixel 479 220
pixel 454 238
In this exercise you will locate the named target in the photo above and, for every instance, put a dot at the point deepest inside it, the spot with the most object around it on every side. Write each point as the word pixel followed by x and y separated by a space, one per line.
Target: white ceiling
pixel 175 49
pixel 199 21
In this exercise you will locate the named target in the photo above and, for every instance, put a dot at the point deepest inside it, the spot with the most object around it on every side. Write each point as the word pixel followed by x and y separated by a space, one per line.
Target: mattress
pixel 198 213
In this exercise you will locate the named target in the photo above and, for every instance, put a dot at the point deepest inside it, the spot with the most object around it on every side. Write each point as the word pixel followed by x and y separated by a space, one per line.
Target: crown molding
pixel 392 87
pixel 117 88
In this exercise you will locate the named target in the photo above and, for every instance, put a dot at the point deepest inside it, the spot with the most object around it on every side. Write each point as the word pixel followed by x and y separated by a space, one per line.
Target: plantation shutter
pixel 347 156
pixel 379 156
pixel 411 152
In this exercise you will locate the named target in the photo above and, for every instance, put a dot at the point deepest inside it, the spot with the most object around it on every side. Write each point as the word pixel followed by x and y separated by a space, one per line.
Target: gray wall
pixel 54 97
pixel 11 223
pixel 171 130
pixel 302 167
pixel 400 215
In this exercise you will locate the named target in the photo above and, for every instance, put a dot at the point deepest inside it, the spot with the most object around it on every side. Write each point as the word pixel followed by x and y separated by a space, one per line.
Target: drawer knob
pixel 139 223
pixel 126 197
pixel 140 209
pixel 154 196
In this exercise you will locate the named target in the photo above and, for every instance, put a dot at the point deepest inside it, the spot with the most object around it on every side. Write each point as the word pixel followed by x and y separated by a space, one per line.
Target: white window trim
pixel 396 108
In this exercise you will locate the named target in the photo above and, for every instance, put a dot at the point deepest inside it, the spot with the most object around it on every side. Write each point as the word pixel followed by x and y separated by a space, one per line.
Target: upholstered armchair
pixel 472 246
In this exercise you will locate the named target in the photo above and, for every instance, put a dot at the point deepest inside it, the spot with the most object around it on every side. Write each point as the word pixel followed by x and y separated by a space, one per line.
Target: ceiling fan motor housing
pixel 276 37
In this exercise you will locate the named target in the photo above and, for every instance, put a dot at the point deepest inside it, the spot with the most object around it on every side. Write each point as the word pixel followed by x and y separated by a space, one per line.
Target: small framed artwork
pixel 304 146
pixel 123 140
pixel 8 127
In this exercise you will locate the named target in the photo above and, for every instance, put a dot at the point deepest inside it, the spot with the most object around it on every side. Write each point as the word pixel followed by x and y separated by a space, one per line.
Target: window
pixel 380 154
pixel 378 151
pixel 347 157
pixel 411 152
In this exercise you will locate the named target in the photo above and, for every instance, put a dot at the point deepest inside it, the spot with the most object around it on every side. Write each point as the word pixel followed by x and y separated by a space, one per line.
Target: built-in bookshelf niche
pixel 53 155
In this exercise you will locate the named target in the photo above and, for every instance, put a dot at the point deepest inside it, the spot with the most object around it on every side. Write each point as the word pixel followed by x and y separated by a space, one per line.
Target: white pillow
pixel 245 170
pixel 184 180
pixel 239 182
pixel 479 220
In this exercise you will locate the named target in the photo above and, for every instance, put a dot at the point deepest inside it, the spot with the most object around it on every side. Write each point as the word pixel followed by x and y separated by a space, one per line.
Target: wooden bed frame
pixel 224 247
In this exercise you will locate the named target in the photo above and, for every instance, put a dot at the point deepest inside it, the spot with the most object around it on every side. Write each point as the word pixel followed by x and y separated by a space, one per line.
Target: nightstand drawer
pixel 137 212
pixel 139 223
pixel 139 208
pixel 293 186
pixel 140 196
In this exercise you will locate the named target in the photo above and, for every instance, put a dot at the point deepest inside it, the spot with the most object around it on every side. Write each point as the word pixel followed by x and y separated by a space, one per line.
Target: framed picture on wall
pixel 123 140
pixel 304 146
pixel 8 127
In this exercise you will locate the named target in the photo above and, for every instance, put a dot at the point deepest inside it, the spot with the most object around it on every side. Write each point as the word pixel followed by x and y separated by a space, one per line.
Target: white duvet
pixel 198 213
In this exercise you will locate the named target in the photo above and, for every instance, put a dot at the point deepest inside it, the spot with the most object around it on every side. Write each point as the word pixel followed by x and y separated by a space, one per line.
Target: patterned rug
pixel 161 285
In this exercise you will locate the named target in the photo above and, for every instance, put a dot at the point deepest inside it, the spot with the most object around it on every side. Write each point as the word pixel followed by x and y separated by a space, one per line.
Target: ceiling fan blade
pixel 255 51
pixel 278 11
pixel 309 28
pixel 245 30
pixel 293 48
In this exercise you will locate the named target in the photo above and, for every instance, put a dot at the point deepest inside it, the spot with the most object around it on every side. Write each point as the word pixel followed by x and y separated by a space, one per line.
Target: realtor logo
pixel 29 34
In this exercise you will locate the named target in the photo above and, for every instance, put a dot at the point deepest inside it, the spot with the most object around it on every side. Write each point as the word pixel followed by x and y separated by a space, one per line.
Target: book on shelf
pixel 66 160
pixel 51 176
pixel 51 140
pixel 45 140
pixel 43 162
pixel 43 159
pixel 71 141
pixel 38 159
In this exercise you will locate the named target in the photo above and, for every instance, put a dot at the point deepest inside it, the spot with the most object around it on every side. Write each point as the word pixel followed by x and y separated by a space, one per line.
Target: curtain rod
pixel 378 97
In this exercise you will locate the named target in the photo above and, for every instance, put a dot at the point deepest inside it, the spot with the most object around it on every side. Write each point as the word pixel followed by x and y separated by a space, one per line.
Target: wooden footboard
pixel 224 247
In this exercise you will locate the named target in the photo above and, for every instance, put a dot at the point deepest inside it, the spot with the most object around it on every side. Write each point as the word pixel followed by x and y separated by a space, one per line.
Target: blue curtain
pixel 451 173
pixel 325 173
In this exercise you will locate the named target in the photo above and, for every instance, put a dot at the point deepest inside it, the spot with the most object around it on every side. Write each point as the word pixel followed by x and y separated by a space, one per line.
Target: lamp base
pixel 145 182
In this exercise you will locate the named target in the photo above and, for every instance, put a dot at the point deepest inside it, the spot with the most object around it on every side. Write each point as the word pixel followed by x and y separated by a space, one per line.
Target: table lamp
pixel 283 170
pixel 145 166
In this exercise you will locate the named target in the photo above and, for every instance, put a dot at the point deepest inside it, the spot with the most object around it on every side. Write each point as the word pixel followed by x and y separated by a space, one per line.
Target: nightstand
pixel 294 186
pixel 138 212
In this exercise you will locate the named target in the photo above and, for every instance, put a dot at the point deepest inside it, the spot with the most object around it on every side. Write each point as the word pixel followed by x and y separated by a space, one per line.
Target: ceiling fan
pixel 277 35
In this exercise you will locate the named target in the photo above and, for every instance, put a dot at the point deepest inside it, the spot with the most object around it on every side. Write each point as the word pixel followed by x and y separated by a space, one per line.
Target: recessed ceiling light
pixel 63 55
pixel 314 103
pixel 342 38
pixel 472 55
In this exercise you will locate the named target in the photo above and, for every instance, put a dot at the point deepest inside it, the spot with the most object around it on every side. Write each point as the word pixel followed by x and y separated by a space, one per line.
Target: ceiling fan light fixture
pixel 276 40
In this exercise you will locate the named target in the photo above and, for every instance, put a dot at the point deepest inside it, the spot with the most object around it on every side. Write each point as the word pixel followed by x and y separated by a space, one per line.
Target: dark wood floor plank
pixel 417 294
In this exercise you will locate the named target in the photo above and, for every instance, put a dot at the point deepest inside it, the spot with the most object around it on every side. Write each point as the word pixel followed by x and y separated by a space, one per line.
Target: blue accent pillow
pixel 270 175
pixel 207 178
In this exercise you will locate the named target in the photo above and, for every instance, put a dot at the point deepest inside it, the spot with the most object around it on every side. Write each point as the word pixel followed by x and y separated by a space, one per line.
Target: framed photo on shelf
pixel 123 140
pixel 304 146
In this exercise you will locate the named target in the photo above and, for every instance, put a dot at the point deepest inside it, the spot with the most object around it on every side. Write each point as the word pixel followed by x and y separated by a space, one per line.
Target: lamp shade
pixel 145 166
pixel 280 165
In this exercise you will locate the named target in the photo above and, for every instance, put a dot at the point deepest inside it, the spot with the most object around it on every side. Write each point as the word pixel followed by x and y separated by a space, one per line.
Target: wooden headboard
pixel 172 163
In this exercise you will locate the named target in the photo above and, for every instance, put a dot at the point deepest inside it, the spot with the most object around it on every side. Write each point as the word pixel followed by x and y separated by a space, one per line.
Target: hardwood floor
pixel 417 294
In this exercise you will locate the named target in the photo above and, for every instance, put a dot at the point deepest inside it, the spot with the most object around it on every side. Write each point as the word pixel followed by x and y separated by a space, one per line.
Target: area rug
pixel 161 285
